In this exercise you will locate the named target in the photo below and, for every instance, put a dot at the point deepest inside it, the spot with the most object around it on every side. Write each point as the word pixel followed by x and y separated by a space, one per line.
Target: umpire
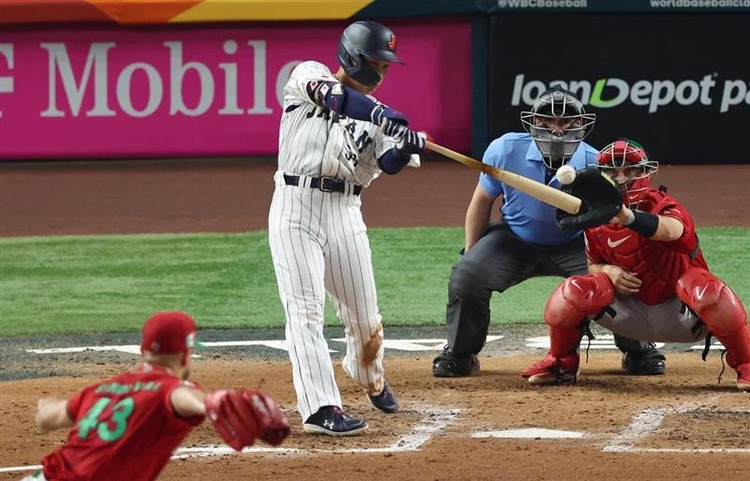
pixel 526 242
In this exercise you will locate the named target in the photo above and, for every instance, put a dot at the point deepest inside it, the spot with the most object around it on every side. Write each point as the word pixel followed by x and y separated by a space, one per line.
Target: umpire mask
pixel 558 123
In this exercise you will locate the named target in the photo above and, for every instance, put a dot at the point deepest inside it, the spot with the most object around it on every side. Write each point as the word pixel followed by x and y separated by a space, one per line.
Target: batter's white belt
pixel 324 184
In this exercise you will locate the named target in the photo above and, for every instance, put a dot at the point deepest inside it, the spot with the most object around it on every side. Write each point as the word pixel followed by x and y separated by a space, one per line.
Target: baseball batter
pixel 335 139
pixel 647 277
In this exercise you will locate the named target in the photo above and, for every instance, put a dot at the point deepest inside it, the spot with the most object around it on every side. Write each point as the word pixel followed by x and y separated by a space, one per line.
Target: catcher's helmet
pixel 558 123
pixel 627 162
pixel 362 40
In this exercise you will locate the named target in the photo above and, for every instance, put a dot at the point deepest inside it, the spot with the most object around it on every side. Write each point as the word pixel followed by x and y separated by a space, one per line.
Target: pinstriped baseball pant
pixel 319 245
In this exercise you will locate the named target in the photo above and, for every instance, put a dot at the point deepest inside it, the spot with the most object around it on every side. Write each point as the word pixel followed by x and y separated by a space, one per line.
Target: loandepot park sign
pixel 710 90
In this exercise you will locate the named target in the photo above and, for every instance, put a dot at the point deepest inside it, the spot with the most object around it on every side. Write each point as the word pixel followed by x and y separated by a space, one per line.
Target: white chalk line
pixel 530 433
pixel 13 469
pixel 648 422
pixel 408 345
pixel 435 419
pixel 690 451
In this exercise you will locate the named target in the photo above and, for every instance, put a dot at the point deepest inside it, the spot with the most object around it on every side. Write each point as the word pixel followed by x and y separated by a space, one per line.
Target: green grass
pixel 112 283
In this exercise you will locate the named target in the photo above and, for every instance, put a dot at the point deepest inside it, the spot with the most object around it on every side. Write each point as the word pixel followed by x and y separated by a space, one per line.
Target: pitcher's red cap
pixel 168 332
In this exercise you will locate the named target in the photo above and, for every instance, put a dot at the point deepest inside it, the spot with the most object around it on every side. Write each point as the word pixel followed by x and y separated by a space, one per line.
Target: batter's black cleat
pixel 448 364
pixel 332 421
pixel 385 401
pixel 648 362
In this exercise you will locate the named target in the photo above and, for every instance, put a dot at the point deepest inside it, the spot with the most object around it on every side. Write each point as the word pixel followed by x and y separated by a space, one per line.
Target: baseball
pixel 566 175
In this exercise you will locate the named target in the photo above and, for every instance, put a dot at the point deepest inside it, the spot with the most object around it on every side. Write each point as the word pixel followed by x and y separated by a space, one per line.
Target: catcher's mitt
pixel 242 416
pixel 600 200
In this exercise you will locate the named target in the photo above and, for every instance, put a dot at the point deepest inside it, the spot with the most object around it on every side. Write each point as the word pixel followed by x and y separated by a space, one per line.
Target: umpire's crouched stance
pixel 527 242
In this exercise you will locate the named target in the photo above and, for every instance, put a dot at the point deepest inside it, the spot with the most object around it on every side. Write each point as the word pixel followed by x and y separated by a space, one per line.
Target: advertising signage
pixel 541 6
pixel 204 91
pixel 679 84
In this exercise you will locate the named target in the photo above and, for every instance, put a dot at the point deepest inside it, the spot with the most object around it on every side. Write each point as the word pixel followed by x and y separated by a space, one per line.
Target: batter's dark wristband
pixel 644 223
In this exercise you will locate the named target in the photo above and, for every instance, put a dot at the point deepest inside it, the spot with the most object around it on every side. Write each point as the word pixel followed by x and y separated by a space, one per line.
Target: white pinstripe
pixel 319 243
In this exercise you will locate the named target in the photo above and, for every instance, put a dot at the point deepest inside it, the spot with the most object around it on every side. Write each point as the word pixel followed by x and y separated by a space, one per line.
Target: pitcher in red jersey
pixel 127 427
pixel 647 279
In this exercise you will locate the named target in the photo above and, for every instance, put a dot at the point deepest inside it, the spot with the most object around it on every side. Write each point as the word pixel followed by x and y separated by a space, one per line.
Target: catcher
pixel 127 427
pixel 647 276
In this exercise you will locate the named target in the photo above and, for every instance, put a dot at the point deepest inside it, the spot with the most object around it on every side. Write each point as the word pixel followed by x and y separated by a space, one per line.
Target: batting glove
pixel 411 142
pixel 392 122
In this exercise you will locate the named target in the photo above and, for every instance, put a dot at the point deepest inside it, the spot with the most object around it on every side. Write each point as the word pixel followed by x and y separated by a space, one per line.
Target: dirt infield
pixel 681 426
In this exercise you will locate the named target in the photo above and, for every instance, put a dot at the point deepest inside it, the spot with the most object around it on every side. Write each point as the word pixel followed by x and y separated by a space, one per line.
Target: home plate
pixel 529 433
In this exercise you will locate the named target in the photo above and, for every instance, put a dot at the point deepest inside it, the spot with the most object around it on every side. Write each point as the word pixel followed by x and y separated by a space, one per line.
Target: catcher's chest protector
pixel 657 264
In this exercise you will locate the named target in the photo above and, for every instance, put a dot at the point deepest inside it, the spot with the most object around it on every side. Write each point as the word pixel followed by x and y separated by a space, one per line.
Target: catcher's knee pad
pixel 577 297
pixel 712 300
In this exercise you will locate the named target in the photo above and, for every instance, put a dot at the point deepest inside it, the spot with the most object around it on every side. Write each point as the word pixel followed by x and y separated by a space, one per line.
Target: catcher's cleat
pixel 448 364
pixel 552 370
pixel 332 421
pixel 743 377
pixel 647 362
pixel 385 401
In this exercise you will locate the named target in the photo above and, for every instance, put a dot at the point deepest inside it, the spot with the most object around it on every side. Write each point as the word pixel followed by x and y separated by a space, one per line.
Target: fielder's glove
pixel 242 416
pixel 392 122
pixel 600 200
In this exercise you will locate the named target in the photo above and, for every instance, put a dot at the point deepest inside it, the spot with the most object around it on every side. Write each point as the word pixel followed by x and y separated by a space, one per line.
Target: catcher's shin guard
pixel 723 314
pixel 565 313
pixel 720 310
pixel 574 299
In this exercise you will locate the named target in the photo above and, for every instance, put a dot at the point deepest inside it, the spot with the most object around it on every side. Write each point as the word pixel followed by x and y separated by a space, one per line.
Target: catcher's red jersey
pixel 125 429
pixel 657 264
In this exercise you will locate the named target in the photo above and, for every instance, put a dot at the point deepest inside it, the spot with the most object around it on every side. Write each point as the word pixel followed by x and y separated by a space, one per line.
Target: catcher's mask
pixel 366 40
pixel 627 163
pixel 558 123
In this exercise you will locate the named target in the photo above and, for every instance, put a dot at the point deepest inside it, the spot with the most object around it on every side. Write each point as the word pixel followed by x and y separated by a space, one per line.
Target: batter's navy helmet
pixel 366 39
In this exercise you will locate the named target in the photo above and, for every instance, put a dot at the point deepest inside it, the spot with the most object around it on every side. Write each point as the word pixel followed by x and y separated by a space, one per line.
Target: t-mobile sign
pixel 676 83
pixel 203 91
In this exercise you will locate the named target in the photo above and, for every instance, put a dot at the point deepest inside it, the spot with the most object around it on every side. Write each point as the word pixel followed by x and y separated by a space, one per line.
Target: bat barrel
pixel 543 192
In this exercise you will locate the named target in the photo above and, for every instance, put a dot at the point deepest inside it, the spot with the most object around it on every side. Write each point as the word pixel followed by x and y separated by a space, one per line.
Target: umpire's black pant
pixel 500 260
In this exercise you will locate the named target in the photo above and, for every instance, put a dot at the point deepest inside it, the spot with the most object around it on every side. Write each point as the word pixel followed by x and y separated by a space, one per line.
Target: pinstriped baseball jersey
pixel 315 141
pixel 319 241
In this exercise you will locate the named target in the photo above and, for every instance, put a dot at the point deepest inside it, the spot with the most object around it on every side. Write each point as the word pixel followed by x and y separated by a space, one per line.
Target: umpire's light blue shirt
pixel 530 219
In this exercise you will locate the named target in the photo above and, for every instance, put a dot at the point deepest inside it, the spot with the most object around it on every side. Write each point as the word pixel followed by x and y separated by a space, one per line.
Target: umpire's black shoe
pixel 448 364
pixel 332 421
pixel 648 362
pixel 385 401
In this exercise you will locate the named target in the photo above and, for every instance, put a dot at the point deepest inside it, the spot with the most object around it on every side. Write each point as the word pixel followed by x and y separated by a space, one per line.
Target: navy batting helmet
pixel 366 39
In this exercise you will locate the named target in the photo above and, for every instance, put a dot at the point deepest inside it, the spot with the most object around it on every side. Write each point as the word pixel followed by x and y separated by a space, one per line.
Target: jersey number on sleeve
pixel 118 420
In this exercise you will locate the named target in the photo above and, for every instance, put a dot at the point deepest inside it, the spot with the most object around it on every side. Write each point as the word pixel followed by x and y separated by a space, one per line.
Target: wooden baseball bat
pixel 543 192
